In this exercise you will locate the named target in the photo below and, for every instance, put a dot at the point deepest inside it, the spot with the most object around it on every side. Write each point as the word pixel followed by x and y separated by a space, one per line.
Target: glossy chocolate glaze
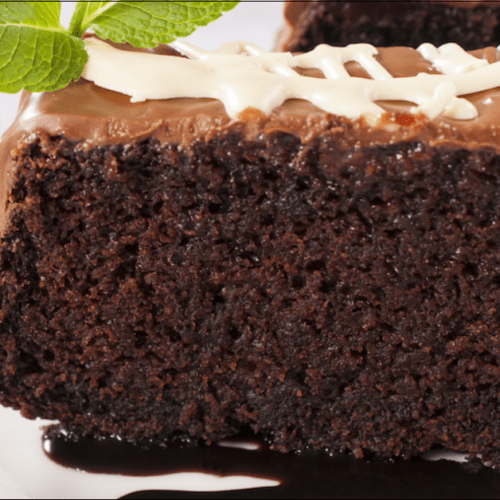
pixel 95 116
pixel 307 475
pixel 85 112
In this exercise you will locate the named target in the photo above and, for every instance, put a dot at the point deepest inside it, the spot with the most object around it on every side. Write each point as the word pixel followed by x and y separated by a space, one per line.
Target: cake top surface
pixel 243 76
pixel 388 95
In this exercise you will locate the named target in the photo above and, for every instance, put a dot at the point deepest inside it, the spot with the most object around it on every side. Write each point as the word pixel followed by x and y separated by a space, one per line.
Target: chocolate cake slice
pixel 472 24
pixel 236 256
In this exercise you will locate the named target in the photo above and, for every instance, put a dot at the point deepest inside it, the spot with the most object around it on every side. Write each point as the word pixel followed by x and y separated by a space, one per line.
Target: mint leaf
pixel 146 24
pixel 36 52
pixel 42 14
pixel 39 55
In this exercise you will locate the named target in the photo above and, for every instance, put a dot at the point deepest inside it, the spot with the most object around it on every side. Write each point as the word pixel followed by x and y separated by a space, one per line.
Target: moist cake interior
pixel 396 23
pixel 328 284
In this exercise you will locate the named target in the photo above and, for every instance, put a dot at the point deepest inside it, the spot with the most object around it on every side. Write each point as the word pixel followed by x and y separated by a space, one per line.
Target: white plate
pixel 26 472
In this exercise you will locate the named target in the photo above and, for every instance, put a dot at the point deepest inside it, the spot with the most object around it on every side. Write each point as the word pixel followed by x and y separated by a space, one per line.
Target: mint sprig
pixel 38 54
pixel 145 24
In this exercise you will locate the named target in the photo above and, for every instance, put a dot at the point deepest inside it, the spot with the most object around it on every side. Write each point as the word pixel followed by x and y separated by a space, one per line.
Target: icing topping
pixel 331 60
pixel 93 116
pixel 242 75
pixel 451 59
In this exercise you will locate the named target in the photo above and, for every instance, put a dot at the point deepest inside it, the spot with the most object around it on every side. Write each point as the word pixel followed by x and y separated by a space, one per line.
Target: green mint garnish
pixel 38 54
pixel 145 24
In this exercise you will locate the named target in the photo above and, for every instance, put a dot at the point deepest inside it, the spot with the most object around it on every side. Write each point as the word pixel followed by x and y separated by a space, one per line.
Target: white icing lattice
pixel 242 76
pixel 450 59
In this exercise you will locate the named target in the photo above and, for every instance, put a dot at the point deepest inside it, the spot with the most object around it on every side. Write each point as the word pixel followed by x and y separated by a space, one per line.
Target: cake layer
pixel 472 24
pixel 171 272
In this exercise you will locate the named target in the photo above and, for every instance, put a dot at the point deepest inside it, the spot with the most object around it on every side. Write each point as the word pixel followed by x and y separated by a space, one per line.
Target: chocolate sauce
pixel 307 475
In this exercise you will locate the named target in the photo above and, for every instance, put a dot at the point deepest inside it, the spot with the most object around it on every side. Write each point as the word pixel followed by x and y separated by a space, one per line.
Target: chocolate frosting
pixel 94 116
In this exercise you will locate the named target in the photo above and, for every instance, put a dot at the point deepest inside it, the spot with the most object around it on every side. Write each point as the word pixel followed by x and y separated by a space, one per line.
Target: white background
pixel 256 22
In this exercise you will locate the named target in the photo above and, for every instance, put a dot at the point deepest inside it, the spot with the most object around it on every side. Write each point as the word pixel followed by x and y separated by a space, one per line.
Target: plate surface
pixel 25 471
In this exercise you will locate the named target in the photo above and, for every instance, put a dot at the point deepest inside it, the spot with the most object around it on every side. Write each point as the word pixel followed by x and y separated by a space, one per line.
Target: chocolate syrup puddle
pixel 307 475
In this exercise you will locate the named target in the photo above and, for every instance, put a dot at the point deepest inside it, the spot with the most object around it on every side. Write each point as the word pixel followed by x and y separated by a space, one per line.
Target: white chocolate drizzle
pixel 450 59
pixel 242 75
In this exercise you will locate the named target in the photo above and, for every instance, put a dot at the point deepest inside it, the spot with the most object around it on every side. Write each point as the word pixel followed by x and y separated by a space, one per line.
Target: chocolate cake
pixel 472 24
pixel 184 268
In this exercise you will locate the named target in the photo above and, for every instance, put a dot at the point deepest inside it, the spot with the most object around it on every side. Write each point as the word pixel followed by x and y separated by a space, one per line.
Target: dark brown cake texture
pixel 472 24
pixel 168 272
